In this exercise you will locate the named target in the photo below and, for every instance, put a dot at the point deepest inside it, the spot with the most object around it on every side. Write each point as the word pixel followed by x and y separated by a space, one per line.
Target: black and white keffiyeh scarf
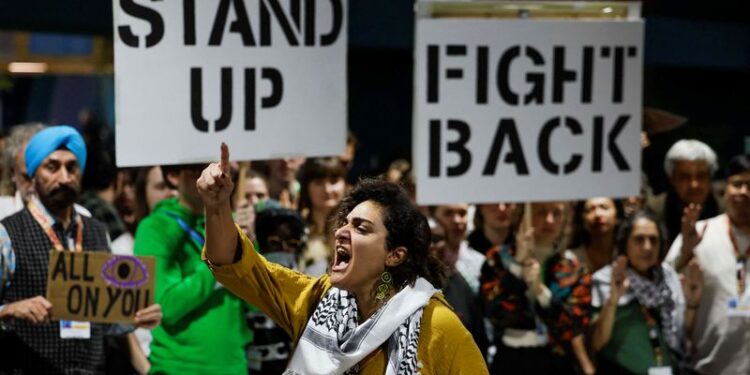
pixel 333 342
pixel 656 294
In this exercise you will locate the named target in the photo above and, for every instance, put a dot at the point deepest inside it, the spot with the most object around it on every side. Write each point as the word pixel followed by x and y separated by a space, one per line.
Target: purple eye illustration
pixel 124 271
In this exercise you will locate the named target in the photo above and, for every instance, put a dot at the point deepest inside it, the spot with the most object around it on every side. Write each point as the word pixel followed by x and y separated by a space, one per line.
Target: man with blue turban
pixel 55 160
pixel 15 163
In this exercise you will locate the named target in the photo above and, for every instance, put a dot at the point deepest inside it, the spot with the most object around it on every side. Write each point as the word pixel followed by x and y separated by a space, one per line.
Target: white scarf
pixel 333 343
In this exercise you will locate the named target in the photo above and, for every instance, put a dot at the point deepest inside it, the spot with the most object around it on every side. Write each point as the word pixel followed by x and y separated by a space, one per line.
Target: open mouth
pixel 343 257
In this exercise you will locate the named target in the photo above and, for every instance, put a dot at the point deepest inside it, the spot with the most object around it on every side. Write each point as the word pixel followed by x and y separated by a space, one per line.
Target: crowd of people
pixel 283 266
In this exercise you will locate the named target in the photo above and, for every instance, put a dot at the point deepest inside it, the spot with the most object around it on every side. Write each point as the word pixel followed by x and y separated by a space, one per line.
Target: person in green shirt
pixel 203 330
pixel 645 311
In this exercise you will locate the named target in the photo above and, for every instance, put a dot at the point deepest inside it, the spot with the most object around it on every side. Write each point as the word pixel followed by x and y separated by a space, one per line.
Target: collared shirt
pixel 7 255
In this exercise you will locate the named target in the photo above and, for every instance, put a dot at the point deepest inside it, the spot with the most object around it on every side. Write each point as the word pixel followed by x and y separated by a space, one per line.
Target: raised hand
pixel 286 201
pixel 524 242
pixel 690 236
pixel 215 183
pixel 531 270
pixel 619 283
pixel 215 187
pixel 606 321
pixel 246 218
pixel 692 283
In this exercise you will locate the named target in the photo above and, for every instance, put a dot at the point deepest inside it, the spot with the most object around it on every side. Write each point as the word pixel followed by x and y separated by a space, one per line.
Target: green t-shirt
pixel 629 346
pixel 204 329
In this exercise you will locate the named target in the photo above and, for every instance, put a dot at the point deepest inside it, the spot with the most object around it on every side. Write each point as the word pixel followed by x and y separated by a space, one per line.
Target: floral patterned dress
pixel 507 305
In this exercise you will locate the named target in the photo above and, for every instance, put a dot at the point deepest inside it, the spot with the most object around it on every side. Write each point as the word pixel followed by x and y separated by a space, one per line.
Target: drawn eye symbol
pixel 125 271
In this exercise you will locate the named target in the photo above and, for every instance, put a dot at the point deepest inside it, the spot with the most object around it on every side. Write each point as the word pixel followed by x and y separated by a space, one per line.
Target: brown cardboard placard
pixel 99 287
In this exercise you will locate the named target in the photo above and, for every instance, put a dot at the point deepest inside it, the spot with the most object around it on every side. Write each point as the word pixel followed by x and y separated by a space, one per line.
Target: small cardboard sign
pixel 99 287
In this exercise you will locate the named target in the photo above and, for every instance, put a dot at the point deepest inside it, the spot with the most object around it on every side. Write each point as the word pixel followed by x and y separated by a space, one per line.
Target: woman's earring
pixel 386 283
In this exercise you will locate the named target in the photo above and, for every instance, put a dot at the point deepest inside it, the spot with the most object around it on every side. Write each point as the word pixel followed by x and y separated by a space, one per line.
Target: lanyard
pixel 741 266
pixel 42 220
pixel 653 336
pixel 197 237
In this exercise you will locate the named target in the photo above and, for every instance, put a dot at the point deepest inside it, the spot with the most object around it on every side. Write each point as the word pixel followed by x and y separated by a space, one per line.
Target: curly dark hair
pixel 626 228
pixel 406 227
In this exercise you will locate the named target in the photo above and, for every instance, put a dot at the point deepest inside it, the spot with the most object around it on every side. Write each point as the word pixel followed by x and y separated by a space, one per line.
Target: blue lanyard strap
pixel 197 237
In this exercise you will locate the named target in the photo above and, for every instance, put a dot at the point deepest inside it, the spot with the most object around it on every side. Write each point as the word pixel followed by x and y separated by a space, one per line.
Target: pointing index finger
pixel 224 158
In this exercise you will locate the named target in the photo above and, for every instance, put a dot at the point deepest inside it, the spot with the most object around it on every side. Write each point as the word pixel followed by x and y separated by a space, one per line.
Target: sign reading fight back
pixel 99 287
pixel 268 77
pixel 523 110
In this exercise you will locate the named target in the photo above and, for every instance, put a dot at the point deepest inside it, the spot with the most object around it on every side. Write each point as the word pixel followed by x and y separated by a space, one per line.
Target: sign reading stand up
pixel 527 110
pixel 268 77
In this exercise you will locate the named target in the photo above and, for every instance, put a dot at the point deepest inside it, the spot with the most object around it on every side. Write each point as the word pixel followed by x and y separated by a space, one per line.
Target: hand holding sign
pixel 101 287
pixel 215 183
pixel 148 318
pixel 525 240
pixel 35 310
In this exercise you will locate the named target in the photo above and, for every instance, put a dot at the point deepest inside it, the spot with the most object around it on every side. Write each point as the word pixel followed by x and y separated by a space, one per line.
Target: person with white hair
pixel 721 246
pixel 689 164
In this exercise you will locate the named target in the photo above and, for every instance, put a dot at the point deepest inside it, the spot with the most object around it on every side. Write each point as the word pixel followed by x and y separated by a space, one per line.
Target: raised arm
pixel 286 296
pixel 606 320
pixel 215 187
pixel 690 235
pixel 692 288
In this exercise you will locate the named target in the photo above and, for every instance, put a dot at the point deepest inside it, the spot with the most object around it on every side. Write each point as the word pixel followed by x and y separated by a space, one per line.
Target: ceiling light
pixel 27 67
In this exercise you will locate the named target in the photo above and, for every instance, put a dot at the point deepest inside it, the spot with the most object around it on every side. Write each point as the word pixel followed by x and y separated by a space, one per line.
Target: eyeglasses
pixel 275 243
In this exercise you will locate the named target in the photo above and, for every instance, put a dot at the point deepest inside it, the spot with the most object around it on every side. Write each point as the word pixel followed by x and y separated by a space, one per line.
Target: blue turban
pixel 51 139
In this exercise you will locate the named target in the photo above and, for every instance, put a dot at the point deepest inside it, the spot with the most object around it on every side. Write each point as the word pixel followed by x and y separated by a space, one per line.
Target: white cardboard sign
pixel 525 110
pixel 268 77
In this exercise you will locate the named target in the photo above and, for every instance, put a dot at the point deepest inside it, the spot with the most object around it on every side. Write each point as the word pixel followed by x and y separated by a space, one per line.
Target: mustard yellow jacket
pixel 289 298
